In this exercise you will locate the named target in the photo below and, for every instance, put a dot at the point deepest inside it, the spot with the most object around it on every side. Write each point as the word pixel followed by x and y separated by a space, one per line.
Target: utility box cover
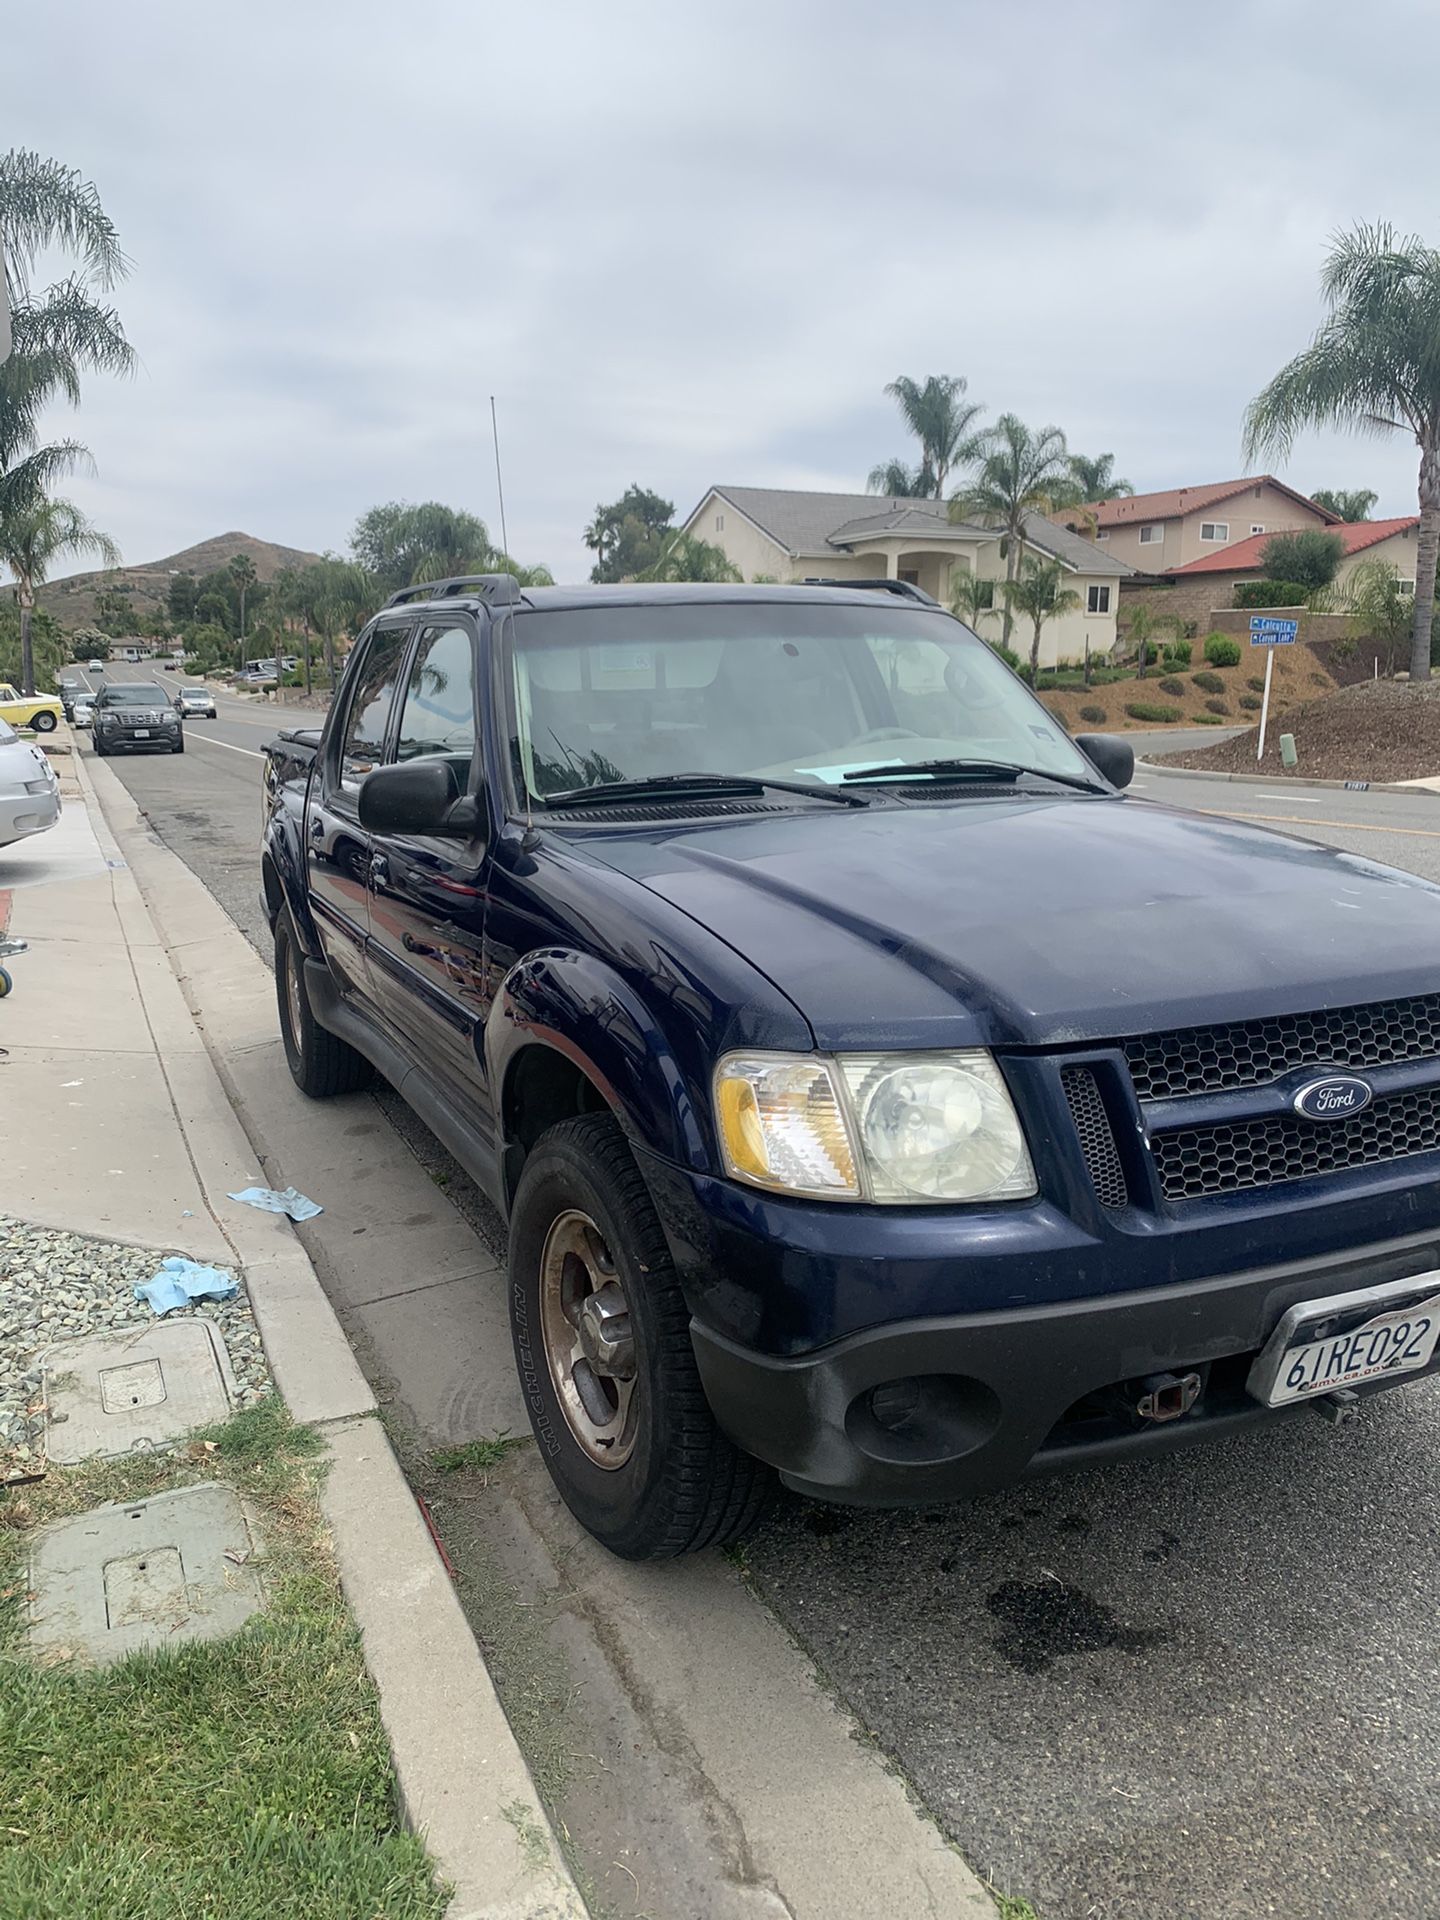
pixel 113 1393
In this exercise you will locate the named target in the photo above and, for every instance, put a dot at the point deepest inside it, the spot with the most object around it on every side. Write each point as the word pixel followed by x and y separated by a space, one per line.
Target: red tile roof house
pixel 1388 540
pixel 1160 532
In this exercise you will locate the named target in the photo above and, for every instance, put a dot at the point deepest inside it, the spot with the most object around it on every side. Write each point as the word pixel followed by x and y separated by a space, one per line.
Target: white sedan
pixel 29 791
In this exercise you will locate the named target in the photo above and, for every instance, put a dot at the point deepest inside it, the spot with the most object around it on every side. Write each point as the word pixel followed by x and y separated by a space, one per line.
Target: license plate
pixel 1322 1345
pixel 142 733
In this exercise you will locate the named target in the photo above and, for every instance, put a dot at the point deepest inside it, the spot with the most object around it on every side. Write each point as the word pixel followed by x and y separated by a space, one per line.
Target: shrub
pixel 1190 629
pixel 1097 716
pixel 1146 710
pixel 1216 706
pixel 1177 654
pixel 1251 702
pixel 1208 682
pixel 1175 688
pixel 1309 557
pixel 1208 720
pixel 1271 593
pixel 1007 654
pixel 1256 683
pixel 1222 651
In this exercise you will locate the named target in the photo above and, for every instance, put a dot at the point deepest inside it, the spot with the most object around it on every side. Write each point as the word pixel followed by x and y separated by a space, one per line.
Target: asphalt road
pixel 1201 1686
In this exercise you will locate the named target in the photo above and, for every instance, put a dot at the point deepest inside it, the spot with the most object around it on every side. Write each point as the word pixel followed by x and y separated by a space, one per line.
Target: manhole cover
pixel 111 1393
pixel 179 1566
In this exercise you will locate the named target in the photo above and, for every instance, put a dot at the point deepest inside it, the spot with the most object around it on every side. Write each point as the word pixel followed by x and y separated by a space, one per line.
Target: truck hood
pixel 1032 921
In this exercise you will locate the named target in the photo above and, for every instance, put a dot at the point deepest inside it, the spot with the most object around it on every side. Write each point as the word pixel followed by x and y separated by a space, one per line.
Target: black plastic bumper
pixel 1003 1395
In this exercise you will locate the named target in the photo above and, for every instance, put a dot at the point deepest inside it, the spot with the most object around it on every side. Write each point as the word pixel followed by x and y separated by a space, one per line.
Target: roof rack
pixel 905 588
pixel 501 589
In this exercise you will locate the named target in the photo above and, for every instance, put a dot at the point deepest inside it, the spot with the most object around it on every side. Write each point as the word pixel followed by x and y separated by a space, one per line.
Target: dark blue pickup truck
pixel 875 1092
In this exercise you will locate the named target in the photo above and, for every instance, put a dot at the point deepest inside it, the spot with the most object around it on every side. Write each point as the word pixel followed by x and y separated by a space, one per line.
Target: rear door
pixel 337 848
pixel 427 899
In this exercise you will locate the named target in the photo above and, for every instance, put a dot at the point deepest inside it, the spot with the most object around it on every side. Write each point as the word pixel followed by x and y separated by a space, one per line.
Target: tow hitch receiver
pixel 1165 1396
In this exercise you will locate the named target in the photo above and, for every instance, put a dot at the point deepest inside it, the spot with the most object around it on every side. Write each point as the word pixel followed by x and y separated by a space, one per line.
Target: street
pixel 1200 1685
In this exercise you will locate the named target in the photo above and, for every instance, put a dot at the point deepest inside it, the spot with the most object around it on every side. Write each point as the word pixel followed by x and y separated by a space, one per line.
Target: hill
pixel 72 599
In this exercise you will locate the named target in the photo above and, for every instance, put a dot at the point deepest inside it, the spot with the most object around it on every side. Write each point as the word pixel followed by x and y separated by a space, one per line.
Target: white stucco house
pixel 776 533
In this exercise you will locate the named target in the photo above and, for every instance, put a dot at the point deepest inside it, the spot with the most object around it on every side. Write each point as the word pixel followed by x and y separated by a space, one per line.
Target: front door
pixel 337 847
pixel 427 893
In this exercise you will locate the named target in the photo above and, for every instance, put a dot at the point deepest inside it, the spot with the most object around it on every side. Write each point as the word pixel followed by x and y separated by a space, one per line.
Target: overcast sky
pixel 686 245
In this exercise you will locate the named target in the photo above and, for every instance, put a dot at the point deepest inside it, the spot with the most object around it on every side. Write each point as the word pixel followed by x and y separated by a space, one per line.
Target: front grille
pixel 1168 1066
pixel 1197 1161
pixel 1097 1140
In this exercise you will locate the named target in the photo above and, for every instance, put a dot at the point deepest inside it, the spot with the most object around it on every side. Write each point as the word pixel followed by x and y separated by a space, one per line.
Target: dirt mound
pixel 1299 675
pixel 1380 730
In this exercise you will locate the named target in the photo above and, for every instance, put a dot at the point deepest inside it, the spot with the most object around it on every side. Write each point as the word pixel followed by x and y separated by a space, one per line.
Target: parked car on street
pixel 876 1092
pixel 69 692
pixel 29 791
pixel 83 714
pixel 136 716
pixel 94 666
pixel 42 711
pixel 195 703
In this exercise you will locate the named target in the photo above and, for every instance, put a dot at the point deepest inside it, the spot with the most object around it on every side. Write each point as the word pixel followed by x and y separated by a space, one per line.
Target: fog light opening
pixel 923 1419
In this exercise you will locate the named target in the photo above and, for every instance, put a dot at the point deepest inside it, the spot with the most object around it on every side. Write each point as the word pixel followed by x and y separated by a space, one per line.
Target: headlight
pixel 890 1127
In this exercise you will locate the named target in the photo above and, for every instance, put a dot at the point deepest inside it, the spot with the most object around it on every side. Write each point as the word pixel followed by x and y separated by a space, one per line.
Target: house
pixel 1392 541
pixel 775 533
pixel 1159 532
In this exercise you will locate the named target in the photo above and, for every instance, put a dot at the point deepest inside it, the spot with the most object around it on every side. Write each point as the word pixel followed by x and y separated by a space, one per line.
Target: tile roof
pixel 1243 556
pixel 1175 501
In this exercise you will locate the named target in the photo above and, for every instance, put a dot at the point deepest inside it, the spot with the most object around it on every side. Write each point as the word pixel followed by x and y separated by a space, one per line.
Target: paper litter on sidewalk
pixel 269 1201
pixel 179 1283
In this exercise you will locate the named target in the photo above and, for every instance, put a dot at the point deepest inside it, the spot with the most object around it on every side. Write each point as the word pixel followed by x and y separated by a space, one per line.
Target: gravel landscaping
pixel 58 1286
pixel 1380 730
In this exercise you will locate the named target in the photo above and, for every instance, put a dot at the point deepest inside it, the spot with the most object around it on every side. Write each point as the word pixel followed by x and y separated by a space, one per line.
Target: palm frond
pixel 45 204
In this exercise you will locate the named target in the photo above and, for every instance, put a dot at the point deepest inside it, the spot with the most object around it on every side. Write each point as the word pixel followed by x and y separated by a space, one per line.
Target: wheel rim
pixel 589 1345
pixel 294 1004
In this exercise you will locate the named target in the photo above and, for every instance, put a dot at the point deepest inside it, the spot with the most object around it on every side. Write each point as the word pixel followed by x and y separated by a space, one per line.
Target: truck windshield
pixel 810 691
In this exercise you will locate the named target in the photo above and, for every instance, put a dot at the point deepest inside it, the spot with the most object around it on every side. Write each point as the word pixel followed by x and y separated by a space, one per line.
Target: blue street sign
pixel 1266 631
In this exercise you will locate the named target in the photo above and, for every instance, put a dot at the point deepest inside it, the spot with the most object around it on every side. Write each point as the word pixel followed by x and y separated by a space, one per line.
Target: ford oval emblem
pixel 1337 1097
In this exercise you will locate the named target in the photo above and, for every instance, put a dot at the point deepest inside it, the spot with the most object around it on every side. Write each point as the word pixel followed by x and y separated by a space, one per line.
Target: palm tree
pixel 943 421
pixel 1095 480
pixel 32 538
pixel 1353 503
pixel 1021 472
pixel 242 572
pixel 971 598
pixel 1378 611
pixel 56 333
pixel 686 558
pixel 1040 594
pixel 1372 367
pixel 1142 629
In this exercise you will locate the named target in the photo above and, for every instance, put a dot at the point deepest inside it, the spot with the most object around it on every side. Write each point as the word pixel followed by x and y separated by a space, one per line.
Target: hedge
pixel 1097 716
pixel 1144 710
pixel 1171 686
pixel 1251 702
pixel 1271 593
pixel 1208 682
pixel 1216 706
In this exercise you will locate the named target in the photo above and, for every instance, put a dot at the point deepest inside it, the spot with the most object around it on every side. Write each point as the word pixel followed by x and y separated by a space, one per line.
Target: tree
pixel 1310 556
pixel 1141 631
pixel 1372 367
pixel 1021 472
pixel 242 572
pixel 402 545
pixel 182 595
pixel 1040 593
pixel 1354 504
pixel 47 646
pixel 1095 480
pixel 627 536
pixel 971 598
pixel 59 332
pixel 88 643
pixel 33 537
pixel 1378 611
pixel 943 421
pixel 686 558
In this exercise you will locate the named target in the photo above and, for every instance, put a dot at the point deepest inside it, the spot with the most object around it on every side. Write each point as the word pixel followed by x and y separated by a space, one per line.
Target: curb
pixel 463 1782
pixel 1415 788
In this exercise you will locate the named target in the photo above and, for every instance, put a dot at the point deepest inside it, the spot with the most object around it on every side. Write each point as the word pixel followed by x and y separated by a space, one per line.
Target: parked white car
pixel 29 791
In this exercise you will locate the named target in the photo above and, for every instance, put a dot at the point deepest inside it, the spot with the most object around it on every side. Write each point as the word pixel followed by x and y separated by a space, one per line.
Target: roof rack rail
pixel 905 588
pixel 501 589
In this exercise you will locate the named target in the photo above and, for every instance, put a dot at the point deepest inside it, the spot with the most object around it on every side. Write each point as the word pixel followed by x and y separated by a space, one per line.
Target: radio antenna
pixel 499 483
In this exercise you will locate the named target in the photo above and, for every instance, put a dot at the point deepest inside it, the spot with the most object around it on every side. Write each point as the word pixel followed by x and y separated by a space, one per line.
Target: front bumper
pixel 137 739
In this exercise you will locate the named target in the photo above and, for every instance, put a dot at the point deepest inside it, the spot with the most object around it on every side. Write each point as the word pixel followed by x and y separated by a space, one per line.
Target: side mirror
pixel 1114 757
pixel 420 796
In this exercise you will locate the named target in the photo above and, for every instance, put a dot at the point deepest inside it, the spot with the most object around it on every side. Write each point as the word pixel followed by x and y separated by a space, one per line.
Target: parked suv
pixel 875 1091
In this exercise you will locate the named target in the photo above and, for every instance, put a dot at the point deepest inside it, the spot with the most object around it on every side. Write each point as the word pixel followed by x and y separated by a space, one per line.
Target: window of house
pixel 1097 599
pixel 1405 586
pixel 910 575
pixel 1257 528
pixel 1103 534
pixel 1215 530
pixel 719 523
pixel 1151 536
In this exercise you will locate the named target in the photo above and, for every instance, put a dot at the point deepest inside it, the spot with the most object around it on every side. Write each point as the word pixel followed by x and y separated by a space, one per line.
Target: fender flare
pixel 582 1009
pixel 282 872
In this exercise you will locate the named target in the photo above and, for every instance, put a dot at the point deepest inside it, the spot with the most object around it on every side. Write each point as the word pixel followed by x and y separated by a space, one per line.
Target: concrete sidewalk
pixel 117 1126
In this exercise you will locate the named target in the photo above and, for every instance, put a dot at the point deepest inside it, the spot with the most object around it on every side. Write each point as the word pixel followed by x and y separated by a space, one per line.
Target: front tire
pixel 101 749
pixel 44 723
pixel 602 1344
pixel 179 746
pixel 321 1064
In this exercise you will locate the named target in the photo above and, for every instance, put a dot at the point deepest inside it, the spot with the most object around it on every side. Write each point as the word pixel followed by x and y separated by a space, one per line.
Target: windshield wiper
pixel 702 785
pixel 971 770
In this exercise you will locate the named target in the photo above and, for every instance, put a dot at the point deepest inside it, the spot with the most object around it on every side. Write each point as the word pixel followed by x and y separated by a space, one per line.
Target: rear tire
pixel 637 1458
pixel 44 723
pixel 321 1064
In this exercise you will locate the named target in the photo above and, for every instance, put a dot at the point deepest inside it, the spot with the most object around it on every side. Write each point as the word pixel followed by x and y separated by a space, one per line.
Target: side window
pixel 439 711
pixel 363 744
